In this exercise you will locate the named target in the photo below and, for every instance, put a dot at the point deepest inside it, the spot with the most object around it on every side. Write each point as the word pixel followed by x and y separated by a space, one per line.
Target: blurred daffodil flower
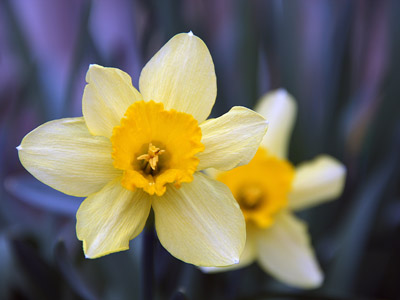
pixel 132 151
pixel 269 189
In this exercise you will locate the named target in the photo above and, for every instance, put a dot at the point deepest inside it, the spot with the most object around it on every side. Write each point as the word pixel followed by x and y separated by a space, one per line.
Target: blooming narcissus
pixel 269 188
pixel 132 151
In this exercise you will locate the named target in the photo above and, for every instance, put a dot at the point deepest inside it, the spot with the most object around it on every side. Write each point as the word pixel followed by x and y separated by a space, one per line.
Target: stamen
pixel 151 157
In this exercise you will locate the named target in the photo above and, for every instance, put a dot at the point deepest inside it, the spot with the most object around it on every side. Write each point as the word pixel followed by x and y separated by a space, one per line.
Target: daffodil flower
pixel 132 151
pixel 269 189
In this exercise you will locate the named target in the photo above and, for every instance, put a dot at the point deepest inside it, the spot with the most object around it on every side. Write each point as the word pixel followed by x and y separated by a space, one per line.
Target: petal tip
pixel 93 66
pixel 283 95
pixel 190 33
pixel 315 282
pixel 19 148
pixel 282 92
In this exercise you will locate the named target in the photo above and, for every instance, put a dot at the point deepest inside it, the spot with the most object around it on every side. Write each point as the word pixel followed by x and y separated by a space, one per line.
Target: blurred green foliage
pixel 340 59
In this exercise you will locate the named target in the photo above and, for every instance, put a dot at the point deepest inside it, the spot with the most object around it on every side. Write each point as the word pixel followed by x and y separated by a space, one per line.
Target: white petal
pixel 247 257
pixel 317 181
pixel 64 155
pixel 200 223
pixel 279 108
pixel 285 252
pixel 106 97
pixel 109 219
pixel 182 76
pixel 232 139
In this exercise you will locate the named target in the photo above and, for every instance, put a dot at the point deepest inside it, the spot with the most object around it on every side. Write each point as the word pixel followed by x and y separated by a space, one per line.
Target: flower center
pixel 261 187
pixel 155 147
pixel 151 159
pixel 250 197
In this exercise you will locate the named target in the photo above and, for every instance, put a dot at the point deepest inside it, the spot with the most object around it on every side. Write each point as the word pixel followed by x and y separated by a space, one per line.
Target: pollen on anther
pixel 152 156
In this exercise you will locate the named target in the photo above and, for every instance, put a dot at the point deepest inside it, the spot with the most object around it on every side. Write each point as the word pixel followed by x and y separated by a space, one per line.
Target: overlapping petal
pixel 200 223
pixel 107 220
pixel 64 155
pixel 286 253
pixel 279 108
pixel 247 257
pixel 106 97
pixel 232 139
pixel 317 181
pixel 182 76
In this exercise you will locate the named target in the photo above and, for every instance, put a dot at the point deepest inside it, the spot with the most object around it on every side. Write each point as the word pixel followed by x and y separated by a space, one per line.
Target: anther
pixel 151 157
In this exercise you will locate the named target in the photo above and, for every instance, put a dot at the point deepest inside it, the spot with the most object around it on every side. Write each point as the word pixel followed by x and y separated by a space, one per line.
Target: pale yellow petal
pixel 232 139
pixel 317 181
pixel 247 257
pixel 106 97
pixel 200 223
pixel 64 155
pixel 109 219
pixel 279 108
pixel 182 76
pixel 285 252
